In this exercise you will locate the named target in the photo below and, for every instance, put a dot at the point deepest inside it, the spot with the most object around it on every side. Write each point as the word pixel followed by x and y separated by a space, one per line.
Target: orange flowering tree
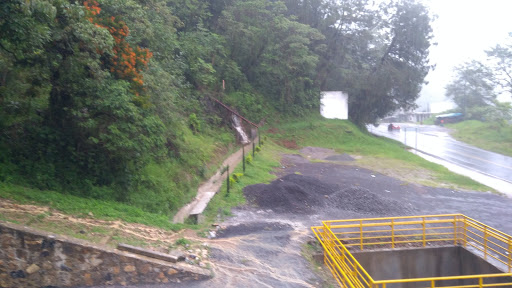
pixel 126 63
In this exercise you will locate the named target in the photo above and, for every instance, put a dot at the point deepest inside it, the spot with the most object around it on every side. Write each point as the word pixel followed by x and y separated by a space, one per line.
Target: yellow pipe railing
pixel 337 236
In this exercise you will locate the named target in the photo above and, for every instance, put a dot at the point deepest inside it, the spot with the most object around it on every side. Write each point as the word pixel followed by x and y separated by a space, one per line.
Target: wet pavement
pixel 436 141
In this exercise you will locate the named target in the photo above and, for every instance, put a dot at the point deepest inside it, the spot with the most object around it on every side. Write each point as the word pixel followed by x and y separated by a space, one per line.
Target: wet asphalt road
pixel 436 141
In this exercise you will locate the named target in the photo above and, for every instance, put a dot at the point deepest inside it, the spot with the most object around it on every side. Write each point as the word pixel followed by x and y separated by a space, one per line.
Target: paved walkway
pixel 208 189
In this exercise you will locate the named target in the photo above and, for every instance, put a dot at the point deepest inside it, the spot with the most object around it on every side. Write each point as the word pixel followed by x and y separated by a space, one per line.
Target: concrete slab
pixel 201 204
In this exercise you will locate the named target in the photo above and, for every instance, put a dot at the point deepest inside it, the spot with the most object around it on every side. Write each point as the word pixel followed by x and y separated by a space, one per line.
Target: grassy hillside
pixel 386 156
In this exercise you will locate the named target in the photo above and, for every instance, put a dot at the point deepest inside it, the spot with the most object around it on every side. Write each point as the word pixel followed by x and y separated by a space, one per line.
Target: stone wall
pixel 30 258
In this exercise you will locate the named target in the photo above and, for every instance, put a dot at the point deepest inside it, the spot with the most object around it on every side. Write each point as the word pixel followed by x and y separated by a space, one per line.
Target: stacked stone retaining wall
pixel 30 258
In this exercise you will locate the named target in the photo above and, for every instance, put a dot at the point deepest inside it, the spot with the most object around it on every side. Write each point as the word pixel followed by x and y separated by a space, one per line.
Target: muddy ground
pixel 260 246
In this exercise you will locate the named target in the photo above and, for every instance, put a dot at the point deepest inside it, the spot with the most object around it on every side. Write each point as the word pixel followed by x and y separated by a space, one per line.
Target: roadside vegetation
pixel 486 135
pixel 475 89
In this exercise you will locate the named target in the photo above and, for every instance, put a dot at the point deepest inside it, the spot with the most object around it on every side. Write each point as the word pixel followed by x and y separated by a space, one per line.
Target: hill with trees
pixel 110 99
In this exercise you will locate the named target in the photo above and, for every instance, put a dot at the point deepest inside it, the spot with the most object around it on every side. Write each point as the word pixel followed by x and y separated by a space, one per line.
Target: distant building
pixel 407 116
pixel 334 105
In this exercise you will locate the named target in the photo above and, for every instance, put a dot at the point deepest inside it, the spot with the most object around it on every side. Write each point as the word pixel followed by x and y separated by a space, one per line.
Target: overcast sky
pixel 463 30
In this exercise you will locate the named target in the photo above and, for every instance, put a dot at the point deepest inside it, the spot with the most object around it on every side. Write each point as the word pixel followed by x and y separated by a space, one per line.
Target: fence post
pixel 361 233
pixel 243 157
pixel 416 141
pixel 485 243
pixel 393 233
pixel 509 252
pixel 424 236
pixel 454 230
pixel 253 149
pixel 227 179
pixel 465 232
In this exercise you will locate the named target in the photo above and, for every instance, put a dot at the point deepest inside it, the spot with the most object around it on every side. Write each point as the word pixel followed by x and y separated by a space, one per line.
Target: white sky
pixel 463 30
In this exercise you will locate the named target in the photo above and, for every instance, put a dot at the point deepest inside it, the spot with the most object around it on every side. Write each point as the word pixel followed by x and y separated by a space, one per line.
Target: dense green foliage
pixel 477 84
pixel 109 99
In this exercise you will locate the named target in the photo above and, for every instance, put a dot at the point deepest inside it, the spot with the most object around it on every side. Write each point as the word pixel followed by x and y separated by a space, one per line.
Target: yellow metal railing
pixel 339 236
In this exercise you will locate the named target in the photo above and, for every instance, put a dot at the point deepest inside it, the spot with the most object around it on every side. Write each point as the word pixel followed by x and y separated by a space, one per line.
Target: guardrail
pixel 339 236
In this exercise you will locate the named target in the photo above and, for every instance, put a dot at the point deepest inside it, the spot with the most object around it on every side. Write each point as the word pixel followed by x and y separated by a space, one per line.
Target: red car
pixel 392 127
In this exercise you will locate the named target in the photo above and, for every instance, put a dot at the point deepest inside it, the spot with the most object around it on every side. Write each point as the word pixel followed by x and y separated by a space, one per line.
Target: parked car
pixel 392 127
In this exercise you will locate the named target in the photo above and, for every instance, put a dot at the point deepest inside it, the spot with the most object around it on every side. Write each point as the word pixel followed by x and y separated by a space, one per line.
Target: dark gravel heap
pixel 290 194
pixel 300 194
pixel 362 200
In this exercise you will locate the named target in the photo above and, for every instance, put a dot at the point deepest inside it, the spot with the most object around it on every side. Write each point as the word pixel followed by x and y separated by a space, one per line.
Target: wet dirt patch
pixel 340 157
pixel 286 143
pixel 273 130
pixel 250 228
pixel 317 152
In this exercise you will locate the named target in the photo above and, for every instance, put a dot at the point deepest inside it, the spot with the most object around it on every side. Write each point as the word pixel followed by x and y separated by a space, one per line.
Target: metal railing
pixel 338 237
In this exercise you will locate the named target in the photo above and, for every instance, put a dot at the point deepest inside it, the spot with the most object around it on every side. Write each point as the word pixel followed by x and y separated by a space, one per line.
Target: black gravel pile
pixel 362 200
pixel 302 194
pixel 290 194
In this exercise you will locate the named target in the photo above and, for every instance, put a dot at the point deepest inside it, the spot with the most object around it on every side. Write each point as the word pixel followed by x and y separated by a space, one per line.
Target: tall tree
pixel 274 52
pixel 376 53
pixel 472 86
pixel 500 62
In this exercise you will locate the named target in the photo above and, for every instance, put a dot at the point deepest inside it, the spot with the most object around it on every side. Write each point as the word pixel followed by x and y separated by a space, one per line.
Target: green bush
pixel 257 149
pixel 232 181
pixel 194 123
pixel 248 159
pixel 237 176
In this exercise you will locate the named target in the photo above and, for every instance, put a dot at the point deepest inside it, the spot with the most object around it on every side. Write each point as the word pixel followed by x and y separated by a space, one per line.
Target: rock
pixel 171 271
pixel 212 234
pixel 88 279
pixel 32 269
pixel 129 268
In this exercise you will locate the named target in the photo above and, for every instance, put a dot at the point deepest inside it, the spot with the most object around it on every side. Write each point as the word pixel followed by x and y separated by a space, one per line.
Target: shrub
pixel 194 123
pixel 232 180
pixel 248 159
pixel 237 176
